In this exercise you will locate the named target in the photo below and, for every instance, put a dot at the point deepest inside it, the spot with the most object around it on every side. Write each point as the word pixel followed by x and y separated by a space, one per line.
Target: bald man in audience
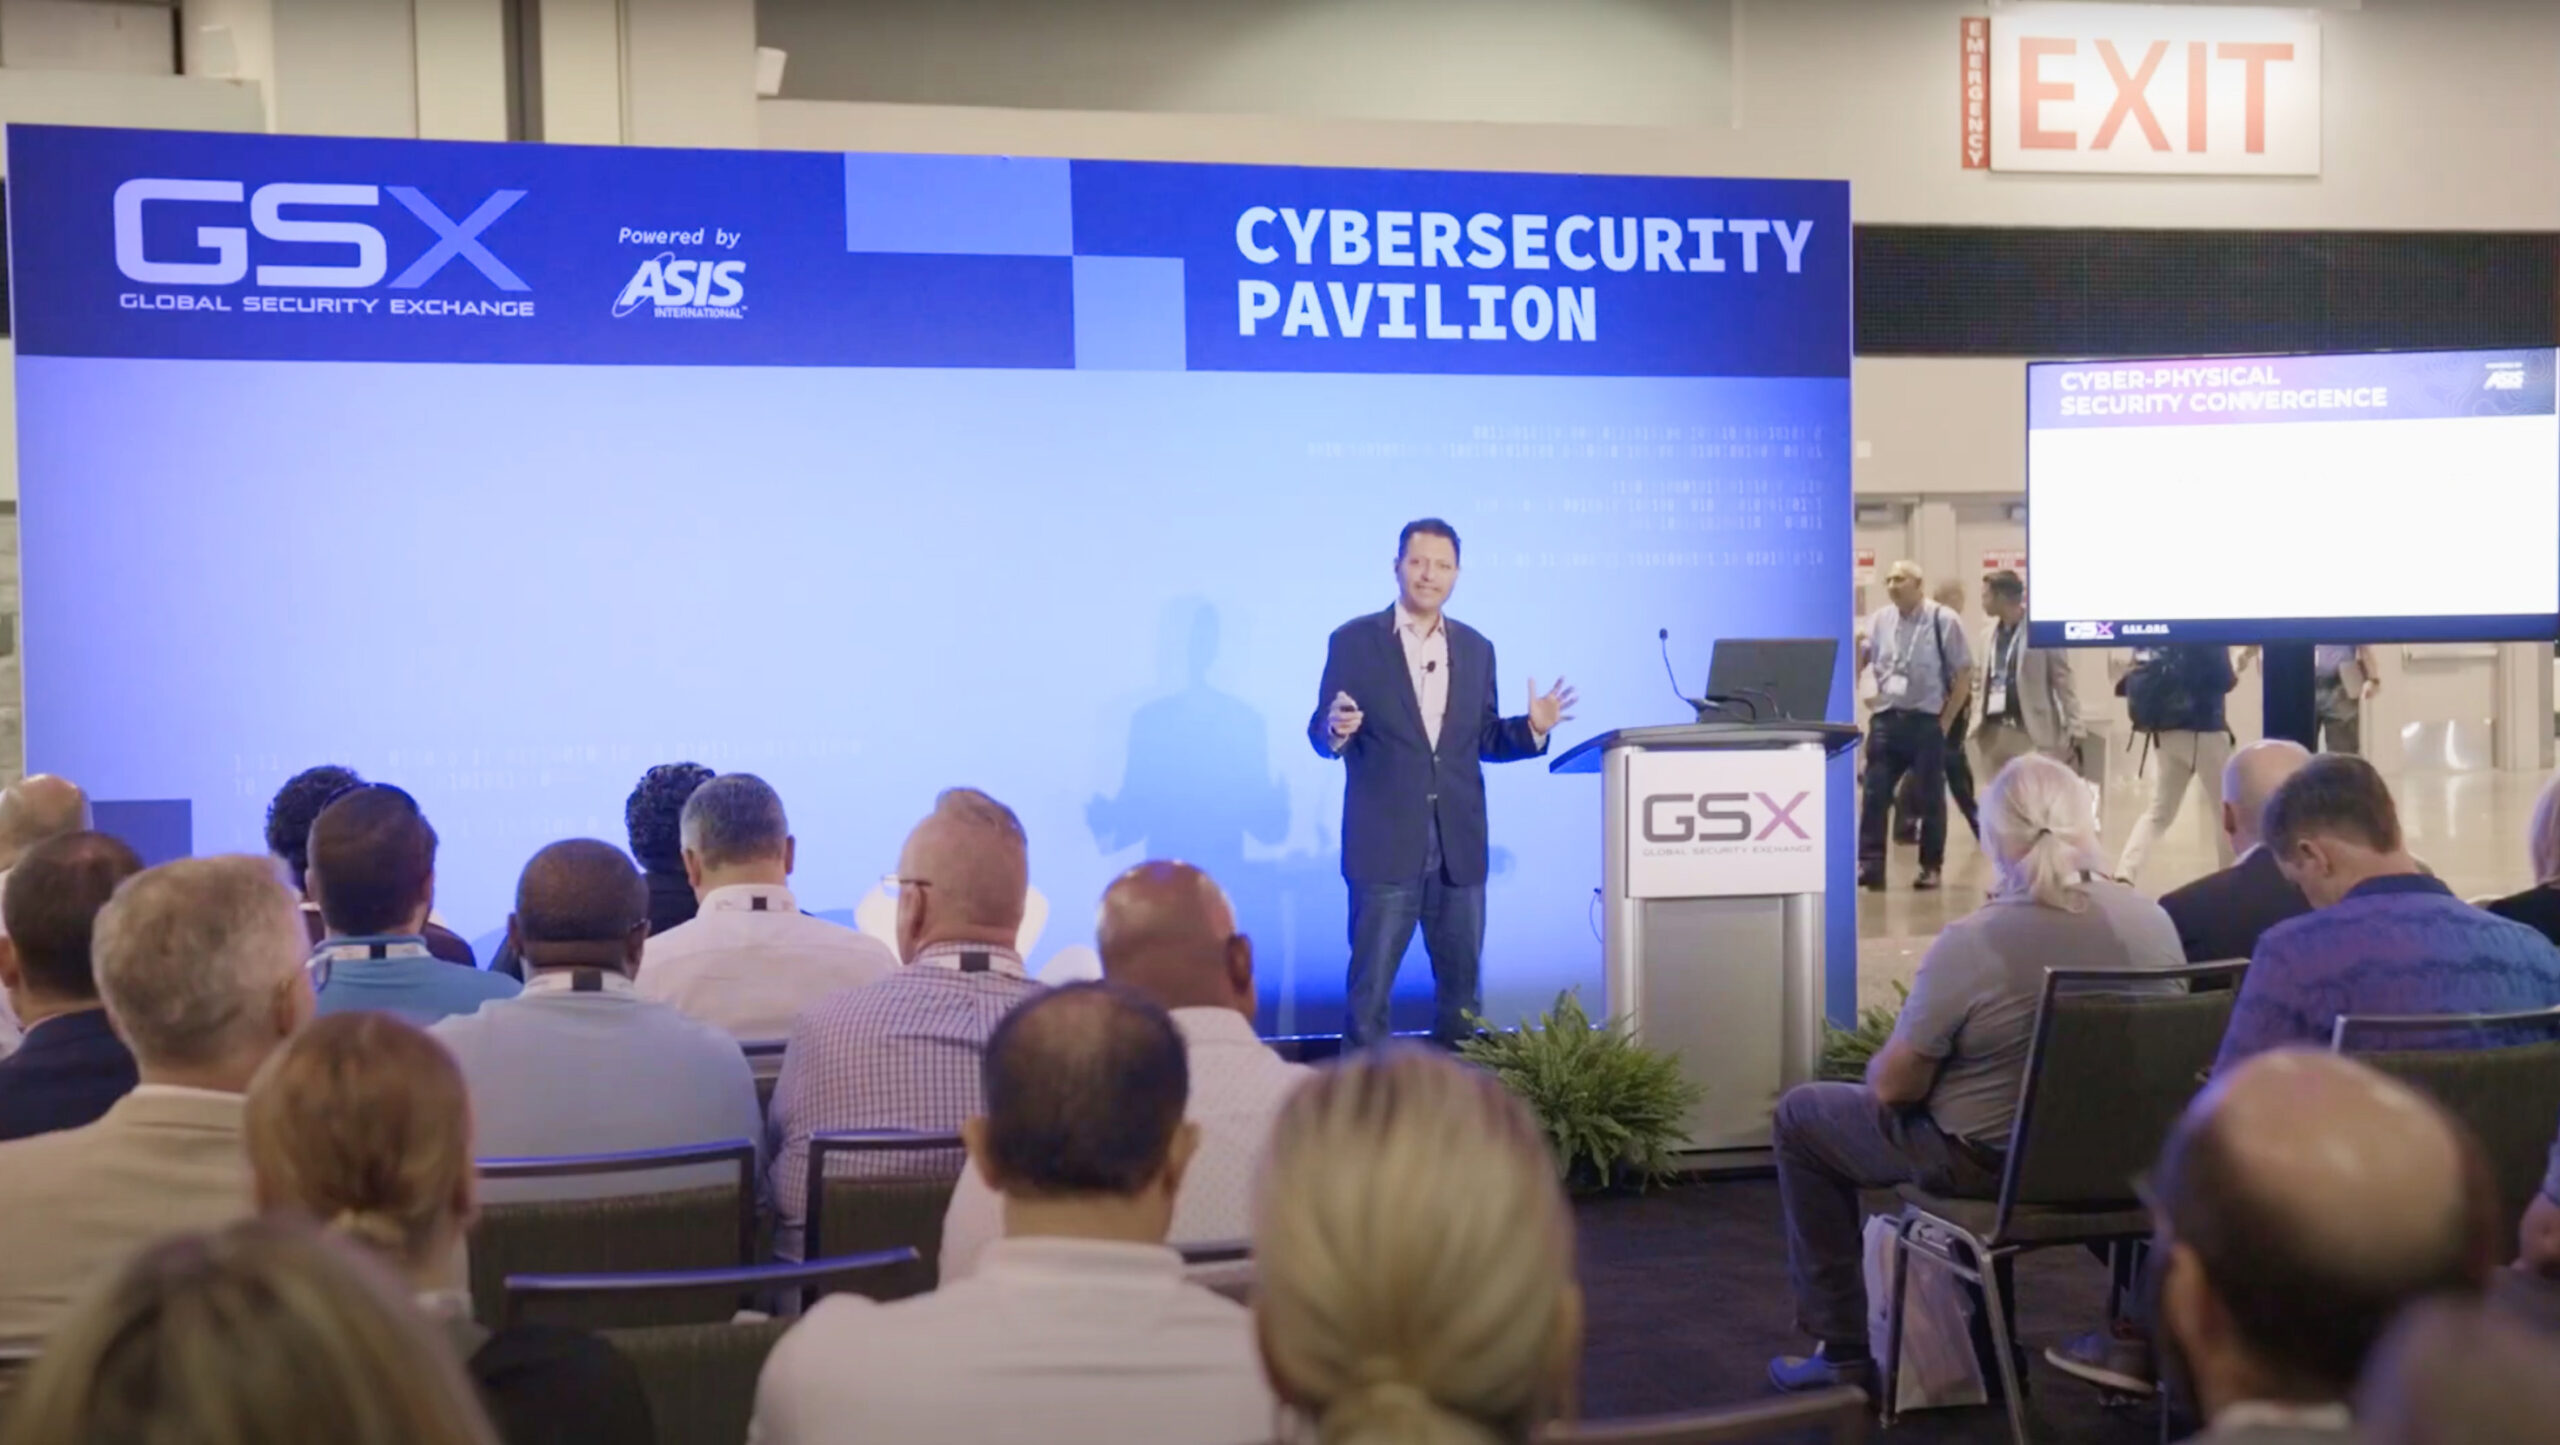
pixel 902 1053
pixel 32 809
pixel 2221 915
pixel 1169 936
pixel 2300 1204
pixel 200 964
pixel 72 1067
pixel 580 1063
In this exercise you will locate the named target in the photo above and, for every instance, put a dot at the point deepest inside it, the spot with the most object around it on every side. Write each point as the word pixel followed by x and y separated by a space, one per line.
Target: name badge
pixel 1895 686
pixel 1995 701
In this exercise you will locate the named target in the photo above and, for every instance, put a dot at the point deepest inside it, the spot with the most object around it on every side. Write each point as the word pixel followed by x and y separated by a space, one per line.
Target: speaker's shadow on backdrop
pixel 1197 784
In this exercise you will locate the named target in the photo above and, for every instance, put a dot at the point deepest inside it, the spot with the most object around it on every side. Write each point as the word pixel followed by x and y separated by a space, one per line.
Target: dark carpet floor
pixel 1686 1291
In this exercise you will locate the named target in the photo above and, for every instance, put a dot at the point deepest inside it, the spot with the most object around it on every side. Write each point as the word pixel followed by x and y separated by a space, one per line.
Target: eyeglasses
pixel 319 965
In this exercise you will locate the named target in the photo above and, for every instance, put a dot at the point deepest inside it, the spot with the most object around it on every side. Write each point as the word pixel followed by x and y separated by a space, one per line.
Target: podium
pixel 1714 851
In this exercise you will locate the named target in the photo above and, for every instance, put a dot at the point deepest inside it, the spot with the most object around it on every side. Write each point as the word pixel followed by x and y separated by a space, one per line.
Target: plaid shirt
pixel 901 1053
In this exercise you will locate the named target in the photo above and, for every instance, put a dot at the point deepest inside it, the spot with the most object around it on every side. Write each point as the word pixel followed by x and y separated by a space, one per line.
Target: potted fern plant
pixel 1612 1107
pixel 1845 1052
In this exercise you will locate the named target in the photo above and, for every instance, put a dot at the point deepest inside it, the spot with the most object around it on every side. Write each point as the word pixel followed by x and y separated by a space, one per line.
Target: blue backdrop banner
pixel 503 472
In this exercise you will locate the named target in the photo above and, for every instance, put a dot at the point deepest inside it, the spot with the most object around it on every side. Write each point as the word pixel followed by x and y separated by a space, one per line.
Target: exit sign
pixel 2154 89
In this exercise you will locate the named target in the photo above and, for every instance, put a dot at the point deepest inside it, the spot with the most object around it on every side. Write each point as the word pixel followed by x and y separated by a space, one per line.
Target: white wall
pixel 1614 62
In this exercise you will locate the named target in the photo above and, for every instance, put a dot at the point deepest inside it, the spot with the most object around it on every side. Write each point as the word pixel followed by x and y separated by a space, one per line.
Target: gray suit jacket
pixel 2048 698
pixel 80 1203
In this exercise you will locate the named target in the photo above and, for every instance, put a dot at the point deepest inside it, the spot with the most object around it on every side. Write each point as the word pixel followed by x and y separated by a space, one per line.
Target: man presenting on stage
pixel 1413 822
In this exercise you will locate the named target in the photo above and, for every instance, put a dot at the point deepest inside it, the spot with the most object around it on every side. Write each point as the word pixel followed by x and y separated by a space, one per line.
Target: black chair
pixel 1215 1251
pixel 849 1215
pixel 764 1060
pixel 712 1227
pixel 700 1379
pixel 2108 1072
pixel 1840 1413
pixel 2505 1087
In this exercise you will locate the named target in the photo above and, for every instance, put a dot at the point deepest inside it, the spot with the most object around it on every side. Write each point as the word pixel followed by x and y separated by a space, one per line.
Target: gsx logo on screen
pixel 222 256
pixel 686 290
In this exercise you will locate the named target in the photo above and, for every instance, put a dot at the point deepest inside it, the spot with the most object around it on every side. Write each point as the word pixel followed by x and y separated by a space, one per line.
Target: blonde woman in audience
pixel 362 1122
pixel 1407 1291
pixel 268 1333
pixel 2538 907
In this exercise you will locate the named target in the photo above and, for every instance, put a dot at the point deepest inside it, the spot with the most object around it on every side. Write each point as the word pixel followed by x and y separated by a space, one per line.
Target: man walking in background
pixel 2176 696
pixel 1923 672
pixel 2342 680
pixel 2029 702
pixel 1408 704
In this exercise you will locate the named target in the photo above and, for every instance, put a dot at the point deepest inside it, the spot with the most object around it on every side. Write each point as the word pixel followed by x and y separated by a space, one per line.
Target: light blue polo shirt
pixel 396 975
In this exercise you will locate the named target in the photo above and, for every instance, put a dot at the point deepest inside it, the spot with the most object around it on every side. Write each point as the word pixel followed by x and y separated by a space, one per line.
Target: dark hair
pixel 580 890
pixel 2333 793
pixel 51 903
pixel 1426 527
pixel 296 805
pixel 2308 1314
pixel 2005 585
pixel 652 814
pixel 1085 1086
pixel 373 860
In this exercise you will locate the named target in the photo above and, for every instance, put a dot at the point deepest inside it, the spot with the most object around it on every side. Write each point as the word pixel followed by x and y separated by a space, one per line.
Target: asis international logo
pixel 677 289
pixel 2089 631
pixel 1723 818
pixel 323 263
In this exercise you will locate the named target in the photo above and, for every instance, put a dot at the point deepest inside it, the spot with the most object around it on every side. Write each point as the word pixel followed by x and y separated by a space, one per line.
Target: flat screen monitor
pixel 1782 679
pixel 2366 497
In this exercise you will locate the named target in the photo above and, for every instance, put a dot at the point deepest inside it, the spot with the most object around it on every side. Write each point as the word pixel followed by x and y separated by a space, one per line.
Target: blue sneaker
pixel 1795 1374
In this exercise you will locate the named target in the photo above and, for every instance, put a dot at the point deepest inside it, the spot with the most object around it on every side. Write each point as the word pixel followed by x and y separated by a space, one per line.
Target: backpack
pixel 2157 695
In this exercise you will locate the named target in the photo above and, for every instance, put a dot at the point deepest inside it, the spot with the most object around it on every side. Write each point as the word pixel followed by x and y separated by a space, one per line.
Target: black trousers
pixel 1906 801
pixel 1903 742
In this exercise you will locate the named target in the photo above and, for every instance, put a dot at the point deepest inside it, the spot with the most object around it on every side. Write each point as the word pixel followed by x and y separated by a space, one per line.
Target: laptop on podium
pixel 1772 679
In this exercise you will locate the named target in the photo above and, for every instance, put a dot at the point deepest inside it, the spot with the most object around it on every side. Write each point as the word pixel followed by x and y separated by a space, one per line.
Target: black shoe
pixel 1927 882
pixel 1871 879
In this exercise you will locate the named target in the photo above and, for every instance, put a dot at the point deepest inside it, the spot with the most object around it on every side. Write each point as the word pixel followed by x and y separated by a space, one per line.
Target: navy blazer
pixel 69 1070
pixel 1392 768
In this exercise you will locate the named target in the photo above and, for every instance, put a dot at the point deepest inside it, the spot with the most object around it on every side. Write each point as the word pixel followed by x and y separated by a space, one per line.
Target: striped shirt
pixel 901 1053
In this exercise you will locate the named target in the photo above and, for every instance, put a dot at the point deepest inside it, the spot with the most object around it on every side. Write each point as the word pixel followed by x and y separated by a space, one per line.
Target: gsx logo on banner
pixel 1721 818
pixel 223 254
pixel 686 290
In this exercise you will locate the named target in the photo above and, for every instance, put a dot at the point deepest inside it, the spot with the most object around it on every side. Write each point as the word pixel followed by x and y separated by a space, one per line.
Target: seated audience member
pixel 200 964
pixel 2538 907
pixel 2222 915
pixel 1079 1328
pixel 1940 1096
pixel 903 1053
pixel 2301 1203
pixel 2385 938
pixel 32 809
pixel 654 817
pixel 579 1063
pixel 1413 1256
pixel 289 818
pixel 72 1066
pixel 2451 1373
pixel 2531 1290
pixel 1169 936
pixel 373 872
pixel 362 1123
pixel 268 1333
pixel 750 961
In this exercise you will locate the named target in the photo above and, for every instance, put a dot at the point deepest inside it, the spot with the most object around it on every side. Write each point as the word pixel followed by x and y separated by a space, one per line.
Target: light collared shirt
pixel 1914 658
pixel 898 1054
pixel 397 975
pixel 1426 660
pixel 1053 1341
pixel 1237 1088
pixel 581 1064
pixel 750 961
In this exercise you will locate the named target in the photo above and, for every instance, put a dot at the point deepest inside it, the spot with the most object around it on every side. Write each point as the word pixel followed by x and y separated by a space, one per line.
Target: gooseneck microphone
pixel 1669 672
